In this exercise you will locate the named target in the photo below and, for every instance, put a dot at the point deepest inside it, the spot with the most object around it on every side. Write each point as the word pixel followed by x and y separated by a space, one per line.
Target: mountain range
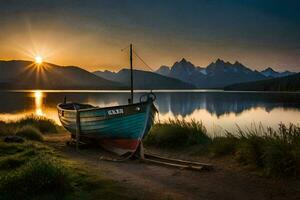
pixel 271 73
pixel 19 74
pixel 218 74
pixel 144 80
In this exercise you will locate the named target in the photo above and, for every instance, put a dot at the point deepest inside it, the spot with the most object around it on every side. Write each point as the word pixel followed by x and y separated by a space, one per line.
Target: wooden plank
pixel 179 161
pixel 181 166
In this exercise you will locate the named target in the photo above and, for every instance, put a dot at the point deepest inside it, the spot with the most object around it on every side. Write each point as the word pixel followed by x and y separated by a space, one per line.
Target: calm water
pixel 218 110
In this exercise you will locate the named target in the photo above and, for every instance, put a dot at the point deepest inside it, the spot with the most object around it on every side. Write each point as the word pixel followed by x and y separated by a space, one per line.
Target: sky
pixel 91 34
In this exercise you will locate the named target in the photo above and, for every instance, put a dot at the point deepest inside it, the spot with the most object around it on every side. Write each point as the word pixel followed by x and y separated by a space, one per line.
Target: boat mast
pixel 131 76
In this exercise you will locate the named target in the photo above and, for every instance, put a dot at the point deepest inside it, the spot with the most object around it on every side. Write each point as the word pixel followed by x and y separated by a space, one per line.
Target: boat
pixel 119 129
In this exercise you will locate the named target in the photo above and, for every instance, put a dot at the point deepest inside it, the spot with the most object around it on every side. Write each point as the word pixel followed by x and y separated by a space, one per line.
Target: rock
pixel 13 139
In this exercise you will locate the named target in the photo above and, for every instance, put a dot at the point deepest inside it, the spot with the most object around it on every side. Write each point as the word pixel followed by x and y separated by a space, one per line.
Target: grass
pixel 30 132
pixel 41 176
pixel 221 146
pixel 177 134
pixel 33 170
pixel 7 128
pixel 31 127
pixel 42 124
pixel 274 152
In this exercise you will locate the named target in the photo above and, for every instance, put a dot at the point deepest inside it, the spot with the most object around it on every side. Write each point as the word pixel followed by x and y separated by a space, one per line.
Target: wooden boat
pixel 119 128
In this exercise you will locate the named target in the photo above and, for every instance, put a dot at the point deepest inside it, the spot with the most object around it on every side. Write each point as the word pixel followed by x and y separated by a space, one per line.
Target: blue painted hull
pixel 123 125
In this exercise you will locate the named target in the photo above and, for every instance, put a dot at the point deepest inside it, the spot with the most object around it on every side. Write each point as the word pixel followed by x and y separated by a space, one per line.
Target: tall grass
pixel 225 145
pixel 275 152
pixel 42 124
pixel 177 133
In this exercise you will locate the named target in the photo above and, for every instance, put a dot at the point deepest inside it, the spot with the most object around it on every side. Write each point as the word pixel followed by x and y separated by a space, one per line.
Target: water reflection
pixel 221 103
pixel 217 110
pixel 38 99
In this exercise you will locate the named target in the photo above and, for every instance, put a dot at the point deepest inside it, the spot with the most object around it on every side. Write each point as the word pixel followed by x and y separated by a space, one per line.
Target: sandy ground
pixel 227 181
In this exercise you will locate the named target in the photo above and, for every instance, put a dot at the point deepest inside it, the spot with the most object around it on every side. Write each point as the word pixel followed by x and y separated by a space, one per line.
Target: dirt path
pixel 157 182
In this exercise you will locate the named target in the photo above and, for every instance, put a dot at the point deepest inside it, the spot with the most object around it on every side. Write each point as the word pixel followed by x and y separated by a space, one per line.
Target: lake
pixel 218 110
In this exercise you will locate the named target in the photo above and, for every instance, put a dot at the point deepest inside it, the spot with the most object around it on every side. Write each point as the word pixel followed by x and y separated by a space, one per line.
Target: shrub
pixel 37 177
pixel 177 133
pixel 30 132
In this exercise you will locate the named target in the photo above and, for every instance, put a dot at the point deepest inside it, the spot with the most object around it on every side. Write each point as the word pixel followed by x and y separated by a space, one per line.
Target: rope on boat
pixel 143 61
pixel 139 57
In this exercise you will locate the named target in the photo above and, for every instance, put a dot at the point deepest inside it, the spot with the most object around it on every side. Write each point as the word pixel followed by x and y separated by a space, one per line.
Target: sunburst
pixel 38 59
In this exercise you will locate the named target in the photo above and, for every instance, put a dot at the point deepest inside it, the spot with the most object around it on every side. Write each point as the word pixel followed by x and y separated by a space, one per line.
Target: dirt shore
pixel 228 180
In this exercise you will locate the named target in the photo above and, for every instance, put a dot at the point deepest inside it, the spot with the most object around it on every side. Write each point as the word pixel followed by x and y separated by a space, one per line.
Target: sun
pixel 38 59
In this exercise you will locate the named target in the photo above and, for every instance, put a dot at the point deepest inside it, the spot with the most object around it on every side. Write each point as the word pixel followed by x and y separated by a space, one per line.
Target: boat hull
pixel 119 129
pixel 120 146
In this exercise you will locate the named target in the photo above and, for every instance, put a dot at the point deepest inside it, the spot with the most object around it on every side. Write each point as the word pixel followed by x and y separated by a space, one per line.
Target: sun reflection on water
pixel 38 99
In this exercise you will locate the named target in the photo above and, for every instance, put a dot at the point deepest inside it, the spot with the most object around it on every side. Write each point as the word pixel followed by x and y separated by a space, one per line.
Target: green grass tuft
pixel 40 123
pixel 249 150
pixel 275 152
pixel 281 159
pixel 177 134
pixel 37 177
pixel 44 124
pixel 223 145
pixel 30 133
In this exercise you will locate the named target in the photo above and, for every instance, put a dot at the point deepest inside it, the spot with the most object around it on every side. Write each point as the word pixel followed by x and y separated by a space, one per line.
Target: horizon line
pixel 121 68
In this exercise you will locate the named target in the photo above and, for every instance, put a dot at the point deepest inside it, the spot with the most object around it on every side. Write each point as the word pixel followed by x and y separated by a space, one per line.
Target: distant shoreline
pixel 143 91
